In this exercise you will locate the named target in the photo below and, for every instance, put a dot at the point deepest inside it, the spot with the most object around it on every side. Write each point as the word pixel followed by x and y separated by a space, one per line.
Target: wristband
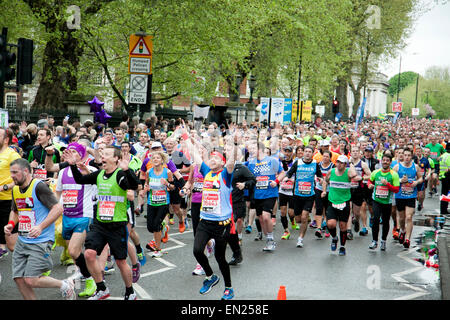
pixel 277 181
pixel 12 223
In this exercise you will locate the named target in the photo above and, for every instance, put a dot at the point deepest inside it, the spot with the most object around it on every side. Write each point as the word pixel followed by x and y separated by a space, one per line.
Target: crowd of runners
pixel 83 184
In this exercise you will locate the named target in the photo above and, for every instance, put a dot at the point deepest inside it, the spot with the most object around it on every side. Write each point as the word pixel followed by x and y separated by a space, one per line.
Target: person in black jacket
pixel 243 178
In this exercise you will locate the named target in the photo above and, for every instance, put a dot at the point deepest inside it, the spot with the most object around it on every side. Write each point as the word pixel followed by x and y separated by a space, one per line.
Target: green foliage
pixel 406 78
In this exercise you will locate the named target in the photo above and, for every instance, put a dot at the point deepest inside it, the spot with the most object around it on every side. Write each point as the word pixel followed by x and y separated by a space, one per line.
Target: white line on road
pixel 141 292
pixel 147 274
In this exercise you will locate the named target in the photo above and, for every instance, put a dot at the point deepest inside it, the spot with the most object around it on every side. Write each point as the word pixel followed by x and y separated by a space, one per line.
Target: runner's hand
pixel 123 164
pixel 324 194
pixel 68 156
pixel 35 232
pixel 8 229
pixel 240 185
pixel 34 164
pixel 50 150
pixel 273 184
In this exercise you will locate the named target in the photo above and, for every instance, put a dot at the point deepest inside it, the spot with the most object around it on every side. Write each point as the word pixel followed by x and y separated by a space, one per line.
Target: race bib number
pixel 198 186
pixel 106 210
pixel 382 192
pixel 159 196
pixel 262 182
pixel 27 220
pixel 40 174
pixel 304 187
pixel 70 198
pixel 211 201
pixel 339 206
pixel 407 189
pixel 287 185
pixel 354 184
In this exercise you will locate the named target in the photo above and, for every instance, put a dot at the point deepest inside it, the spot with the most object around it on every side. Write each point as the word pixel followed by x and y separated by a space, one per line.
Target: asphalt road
pixel 310 273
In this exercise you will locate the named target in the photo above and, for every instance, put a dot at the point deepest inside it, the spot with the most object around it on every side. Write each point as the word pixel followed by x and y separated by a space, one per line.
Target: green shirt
pixel 112 199
pixel 436 150
pixel 339 187
pixel 381 193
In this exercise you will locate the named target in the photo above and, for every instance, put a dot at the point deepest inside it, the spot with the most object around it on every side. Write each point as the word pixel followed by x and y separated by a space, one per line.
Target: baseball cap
pixel 156 144
pixel 370 149
pixel 324 143
pixel 290 136
pixel 342 159
pixel 288 148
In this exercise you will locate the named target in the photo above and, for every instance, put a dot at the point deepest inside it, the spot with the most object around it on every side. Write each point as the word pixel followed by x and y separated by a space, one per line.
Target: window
pixel 11 101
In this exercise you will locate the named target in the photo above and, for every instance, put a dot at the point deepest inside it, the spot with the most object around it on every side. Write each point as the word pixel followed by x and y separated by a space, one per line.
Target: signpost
pixel 140 59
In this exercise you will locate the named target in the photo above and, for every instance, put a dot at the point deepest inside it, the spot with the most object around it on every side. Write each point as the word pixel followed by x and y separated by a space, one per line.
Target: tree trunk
pixel 341 95
pixel 61 58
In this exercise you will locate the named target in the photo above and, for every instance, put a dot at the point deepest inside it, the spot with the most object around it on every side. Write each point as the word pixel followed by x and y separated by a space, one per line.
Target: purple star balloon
pixel 96 104
pixel 103 116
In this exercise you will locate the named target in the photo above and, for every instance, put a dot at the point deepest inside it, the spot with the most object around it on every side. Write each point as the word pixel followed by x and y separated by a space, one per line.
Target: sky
pixel 428 45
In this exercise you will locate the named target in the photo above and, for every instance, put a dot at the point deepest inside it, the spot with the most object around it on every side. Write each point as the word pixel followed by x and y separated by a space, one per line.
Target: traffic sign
pixel 140 54
pixel 138 89
pixel 397 106
pixel 415 111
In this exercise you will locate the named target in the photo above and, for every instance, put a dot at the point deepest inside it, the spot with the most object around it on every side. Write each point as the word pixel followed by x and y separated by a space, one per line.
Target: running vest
pixel 197 187
pixel 216 198
pixel 112 199
pixel 305 178
pixel 159 196
pixel 324 171
pixel 265 171
pixel 406 190
pixel 31 213
pixel 73 197
pixel 359 172
pixel 287 187
pixel 339 187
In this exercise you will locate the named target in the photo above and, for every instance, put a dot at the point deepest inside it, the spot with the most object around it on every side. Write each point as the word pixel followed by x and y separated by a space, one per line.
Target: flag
pixel 360 113
pixel 397 115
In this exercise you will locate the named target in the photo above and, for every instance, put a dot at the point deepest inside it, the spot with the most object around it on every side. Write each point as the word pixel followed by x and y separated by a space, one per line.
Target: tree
pixel 406 78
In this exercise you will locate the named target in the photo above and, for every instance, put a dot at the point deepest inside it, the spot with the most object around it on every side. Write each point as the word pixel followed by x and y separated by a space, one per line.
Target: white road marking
pixel 141 292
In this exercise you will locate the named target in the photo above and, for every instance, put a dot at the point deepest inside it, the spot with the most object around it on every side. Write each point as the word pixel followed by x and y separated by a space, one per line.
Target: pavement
pixel 443 245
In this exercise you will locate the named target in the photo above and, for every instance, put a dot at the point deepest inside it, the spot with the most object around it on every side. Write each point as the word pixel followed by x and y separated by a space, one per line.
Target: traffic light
pixel 335 106
pixel 25 61
pixel 7 59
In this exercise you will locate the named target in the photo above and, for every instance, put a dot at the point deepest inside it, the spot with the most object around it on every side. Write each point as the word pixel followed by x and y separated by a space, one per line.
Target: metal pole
pixel 417 88
pixel 398 82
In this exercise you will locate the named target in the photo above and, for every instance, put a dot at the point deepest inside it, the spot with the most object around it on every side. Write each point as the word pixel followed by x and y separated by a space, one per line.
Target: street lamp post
pixel 399 75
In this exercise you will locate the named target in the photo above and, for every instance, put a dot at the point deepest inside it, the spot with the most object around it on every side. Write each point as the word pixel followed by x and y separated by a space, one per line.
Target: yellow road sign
pixel 140 54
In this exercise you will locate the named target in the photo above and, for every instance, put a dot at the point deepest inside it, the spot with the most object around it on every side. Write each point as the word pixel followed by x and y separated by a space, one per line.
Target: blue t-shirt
pixel 265 171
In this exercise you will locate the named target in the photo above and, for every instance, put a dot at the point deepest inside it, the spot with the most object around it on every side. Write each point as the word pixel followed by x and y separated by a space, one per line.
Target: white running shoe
pixel 198 271
pixel 68 289
pixel 132 296
pixel 100 295
pixel 210 248
pixel 300 243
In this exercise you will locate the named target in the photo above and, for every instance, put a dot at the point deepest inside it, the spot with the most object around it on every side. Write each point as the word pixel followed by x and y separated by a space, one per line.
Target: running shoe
pixel 136 272
pixel 313 224
pixel 46 273
pixel 319 233
pixel 258 236
pixel 419 207
pixel 406 244
pixel 181 227
pixel 364 232
pixel 373 245
pixel 248 229
pixel 342 251
pixel 327 233
pixel 401 237
pixel 228 294
pixel 68 289
pixel 171 221
pixel 198 271
pixel 299 243
pixel 270 245
pixel 383 245
pixel 208 284
pixel 324 224
pixel 142 258
pixel 186 223
pixel 137 212
pixel 109 268
pixel 235 259
pixel 294 225
pixel 334 242
pixel 151 245
pixel 349 235
pixel 286 235
pixel 395 234
pixel 3 253
pixel 131 296
pixel 165 238
pixel 157 254
pixel 90 288
pixel 210 248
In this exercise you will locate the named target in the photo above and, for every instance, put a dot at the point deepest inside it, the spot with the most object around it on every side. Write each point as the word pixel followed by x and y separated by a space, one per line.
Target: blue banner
pixel 360 114
pixel 287 116
pixel 397 115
